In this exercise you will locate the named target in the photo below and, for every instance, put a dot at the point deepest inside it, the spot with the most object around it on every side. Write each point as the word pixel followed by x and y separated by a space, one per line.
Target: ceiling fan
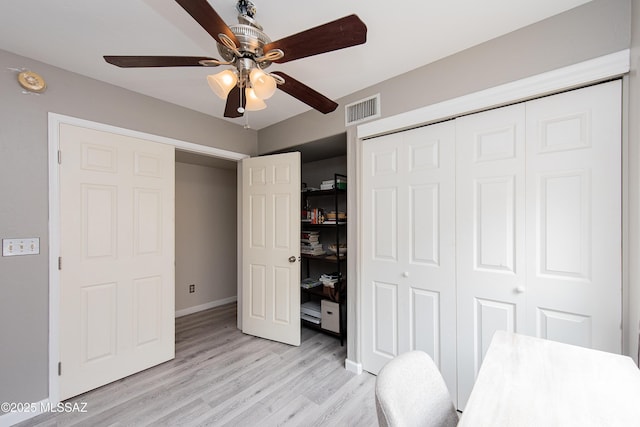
pixel 250 51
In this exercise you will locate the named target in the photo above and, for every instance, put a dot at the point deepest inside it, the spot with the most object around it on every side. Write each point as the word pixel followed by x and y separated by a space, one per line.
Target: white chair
pixel 410 391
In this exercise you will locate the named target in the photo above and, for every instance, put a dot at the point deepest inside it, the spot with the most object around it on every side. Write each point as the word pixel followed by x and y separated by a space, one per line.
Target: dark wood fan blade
pixel 155 61
pixel 344 32
pixel 233 102
pixel 305 94
pixel 208 18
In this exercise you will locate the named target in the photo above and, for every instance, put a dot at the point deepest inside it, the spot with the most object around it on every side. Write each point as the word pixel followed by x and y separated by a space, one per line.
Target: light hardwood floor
pixel 222 377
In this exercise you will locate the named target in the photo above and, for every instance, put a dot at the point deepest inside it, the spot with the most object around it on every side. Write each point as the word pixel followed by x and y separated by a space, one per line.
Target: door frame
pixel 573 76
pixel 54 122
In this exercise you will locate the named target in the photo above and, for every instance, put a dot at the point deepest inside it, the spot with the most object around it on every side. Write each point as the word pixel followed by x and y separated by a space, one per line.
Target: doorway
pixel 55 122
pixel 206 232
pixel 320 161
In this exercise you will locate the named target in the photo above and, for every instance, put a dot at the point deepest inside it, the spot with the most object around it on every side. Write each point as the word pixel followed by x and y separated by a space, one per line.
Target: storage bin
pixel 330 316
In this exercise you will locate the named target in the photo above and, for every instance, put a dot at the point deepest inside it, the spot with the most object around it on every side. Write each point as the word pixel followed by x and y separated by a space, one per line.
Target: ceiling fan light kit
pixel 254 103
pixel 222 83
pixel 249 50
pixel 263 84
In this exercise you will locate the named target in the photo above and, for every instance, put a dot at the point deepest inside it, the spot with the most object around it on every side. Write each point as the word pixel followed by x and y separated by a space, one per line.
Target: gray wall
pixel 594 29
pixel 206 244
pixel 24 285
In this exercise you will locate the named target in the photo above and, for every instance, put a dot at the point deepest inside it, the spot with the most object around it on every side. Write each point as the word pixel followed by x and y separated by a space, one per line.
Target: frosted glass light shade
pixel 222 83
pixel 263 84
pixel 253 102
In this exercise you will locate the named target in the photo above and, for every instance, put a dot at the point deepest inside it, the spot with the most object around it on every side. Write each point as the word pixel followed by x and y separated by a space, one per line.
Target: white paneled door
pixel 574 214
pixel 512 223
pixel 117 257
pixel 539 224
pixel 408 269
pixel 271 247
pixel 490 203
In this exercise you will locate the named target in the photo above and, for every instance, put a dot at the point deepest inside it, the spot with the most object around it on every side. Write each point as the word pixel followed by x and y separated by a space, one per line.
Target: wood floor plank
pixel 246 399
pixel 338 404
pixel 221 376
pixel 183 415
pixel 294 412
pixel 327 386
pixel 278 398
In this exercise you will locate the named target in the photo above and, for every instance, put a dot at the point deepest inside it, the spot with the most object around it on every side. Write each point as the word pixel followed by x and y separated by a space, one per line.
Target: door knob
pixel 292 259
pixel 405 274
pixel 520 289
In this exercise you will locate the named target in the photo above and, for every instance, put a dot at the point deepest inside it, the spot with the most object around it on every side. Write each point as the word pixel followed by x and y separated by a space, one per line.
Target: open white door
pixel 271 247
pixel 117 250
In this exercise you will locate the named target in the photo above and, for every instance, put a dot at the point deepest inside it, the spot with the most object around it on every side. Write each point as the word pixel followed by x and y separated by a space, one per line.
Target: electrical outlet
pixel 192 288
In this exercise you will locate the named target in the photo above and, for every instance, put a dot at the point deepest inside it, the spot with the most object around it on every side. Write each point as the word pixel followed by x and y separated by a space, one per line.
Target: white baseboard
pixel 352 366
pixel 201 307
pixel 12 418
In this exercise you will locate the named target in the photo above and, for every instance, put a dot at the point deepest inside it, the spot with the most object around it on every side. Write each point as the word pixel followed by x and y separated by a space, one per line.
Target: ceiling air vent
pixel 363 110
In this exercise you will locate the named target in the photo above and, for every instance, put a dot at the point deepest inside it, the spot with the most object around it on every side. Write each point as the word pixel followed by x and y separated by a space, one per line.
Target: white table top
pixel 526 381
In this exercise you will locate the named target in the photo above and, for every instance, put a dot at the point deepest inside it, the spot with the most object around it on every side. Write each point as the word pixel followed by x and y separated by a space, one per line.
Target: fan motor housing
pixel 251 39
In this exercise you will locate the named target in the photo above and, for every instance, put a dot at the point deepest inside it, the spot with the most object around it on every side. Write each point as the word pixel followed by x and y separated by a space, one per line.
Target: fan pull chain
pixel 240 107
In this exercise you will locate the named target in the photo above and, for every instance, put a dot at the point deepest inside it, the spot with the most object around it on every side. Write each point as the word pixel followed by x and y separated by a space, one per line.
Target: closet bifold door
pixel 538 227
pixel 408 256
pixel 574 211
pixel 490 229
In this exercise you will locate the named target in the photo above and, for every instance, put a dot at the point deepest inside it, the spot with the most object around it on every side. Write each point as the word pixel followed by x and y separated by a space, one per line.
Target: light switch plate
pixel 15 247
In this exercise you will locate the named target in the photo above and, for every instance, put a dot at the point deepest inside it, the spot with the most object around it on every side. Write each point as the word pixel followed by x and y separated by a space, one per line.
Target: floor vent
pixel 363 110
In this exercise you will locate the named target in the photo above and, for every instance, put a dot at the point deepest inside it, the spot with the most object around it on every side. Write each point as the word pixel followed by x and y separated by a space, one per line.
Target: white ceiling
pixel 402 35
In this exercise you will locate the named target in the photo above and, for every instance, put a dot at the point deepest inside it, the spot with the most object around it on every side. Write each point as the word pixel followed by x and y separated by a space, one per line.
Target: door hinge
pixel 59 157
pixel 59 263
pixel 59 368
